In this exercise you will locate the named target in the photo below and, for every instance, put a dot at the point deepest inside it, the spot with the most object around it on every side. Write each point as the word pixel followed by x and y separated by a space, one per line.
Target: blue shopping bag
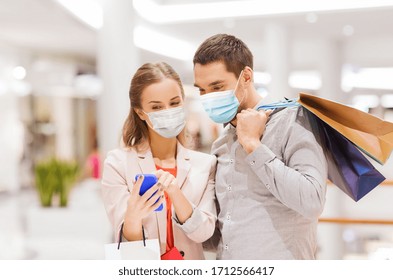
pixel 348 168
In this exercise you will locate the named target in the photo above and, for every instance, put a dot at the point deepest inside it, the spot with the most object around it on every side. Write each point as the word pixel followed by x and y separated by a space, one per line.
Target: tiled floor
pixel 79 231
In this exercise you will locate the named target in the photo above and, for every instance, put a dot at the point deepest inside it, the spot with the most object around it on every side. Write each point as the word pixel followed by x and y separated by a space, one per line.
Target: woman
pixel 153 136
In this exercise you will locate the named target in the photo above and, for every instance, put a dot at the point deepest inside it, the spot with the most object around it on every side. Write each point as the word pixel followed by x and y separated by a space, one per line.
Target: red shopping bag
pixel 172 254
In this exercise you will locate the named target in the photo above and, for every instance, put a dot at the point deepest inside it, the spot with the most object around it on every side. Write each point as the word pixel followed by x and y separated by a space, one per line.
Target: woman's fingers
pixel 154 189
pixel 141 206
pixel 137 185
pixel 154 196
pixel 159 173
pixel 154 202
pixel 168 181
pixel 165 179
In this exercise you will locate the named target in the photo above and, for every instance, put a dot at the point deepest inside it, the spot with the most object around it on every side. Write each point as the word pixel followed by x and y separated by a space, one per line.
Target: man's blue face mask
pixel 221 106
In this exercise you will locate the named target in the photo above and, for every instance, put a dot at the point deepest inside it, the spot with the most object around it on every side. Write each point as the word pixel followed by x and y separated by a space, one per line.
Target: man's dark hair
pixel 232 51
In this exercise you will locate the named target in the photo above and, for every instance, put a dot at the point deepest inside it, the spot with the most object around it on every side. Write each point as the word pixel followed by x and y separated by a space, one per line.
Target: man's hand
pixel 250 128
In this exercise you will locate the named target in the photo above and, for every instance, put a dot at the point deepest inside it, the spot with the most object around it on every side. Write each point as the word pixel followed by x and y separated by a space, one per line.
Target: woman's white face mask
pixel 168 123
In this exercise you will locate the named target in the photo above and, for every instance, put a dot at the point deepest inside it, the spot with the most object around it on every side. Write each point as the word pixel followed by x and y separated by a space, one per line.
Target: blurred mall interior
pixel 65 69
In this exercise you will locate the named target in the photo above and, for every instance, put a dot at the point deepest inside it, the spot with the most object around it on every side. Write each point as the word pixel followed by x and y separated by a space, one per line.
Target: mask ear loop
pixel 237 83
pixel 147 123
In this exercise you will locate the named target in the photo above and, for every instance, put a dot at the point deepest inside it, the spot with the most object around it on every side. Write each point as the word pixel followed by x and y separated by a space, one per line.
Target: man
pixel 271 171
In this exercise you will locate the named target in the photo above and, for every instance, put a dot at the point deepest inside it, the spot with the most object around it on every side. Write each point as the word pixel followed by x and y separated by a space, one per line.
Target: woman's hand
pixel 139 207
pixel 167 182
pixel 183 208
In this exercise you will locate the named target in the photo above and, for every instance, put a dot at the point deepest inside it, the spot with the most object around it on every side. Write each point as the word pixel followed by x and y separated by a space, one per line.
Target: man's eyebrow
pixel 211 84
pixel 216 83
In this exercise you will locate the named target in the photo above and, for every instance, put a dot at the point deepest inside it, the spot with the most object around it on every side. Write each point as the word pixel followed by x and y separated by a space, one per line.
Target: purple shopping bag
pixel 348 168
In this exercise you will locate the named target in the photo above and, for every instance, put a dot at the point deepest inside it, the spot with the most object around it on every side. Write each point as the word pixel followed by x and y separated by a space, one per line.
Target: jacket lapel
pixel 146 162
pixel 183 164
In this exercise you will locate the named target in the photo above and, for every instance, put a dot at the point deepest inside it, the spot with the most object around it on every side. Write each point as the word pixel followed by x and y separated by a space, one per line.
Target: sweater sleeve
pixel 200 226
pixel 299 179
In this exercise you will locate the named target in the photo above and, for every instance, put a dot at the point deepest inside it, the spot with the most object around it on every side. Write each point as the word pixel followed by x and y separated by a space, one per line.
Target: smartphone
pixel 149 180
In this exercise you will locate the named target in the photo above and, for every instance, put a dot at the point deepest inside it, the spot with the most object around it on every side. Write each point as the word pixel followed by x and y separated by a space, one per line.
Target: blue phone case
pixel 149 180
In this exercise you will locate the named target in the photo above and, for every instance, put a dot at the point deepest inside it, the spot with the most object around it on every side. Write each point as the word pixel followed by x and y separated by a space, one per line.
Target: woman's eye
pixel 175 104
pixel 156 107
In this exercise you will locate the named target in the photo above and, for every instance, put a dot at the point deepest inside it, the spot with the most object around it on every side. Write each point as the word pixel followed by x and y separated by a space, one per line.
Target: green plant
pixel 55 177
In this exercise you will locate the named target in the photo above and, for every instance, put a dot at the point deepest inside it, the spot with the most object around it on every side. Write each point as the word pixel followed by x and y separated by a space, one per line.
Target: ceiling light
pixel 387 100
pixel 21 88
pixel 263 92
pixel 157 42
pixel 366 100
pixel 88 11
pixel 305 80
pixel 263 78
pixel 87 85
pixel 162 13
pixel 19 72
pixel 373 78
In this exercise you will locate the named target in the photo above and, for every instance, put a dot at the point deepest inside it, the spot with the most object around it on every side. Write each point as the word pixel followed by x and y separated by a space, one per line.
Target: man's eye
pixel 217 88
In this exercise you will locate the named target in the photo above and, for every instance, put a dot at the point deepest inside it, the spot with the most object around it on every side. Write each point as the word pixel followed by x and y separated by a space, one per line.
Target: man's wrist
pixel 251 146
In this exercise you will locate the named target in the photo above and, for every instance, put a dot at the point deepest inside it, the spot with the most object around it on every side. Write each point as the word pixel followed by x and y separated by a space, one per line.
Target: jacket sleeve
pixel 115 192
pixel 299 180
pixel 200 226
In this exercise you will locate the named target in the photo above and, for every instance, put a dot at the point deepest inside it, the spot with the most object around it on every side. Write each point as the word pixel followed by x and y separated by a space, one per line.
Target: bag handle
pixel 121 234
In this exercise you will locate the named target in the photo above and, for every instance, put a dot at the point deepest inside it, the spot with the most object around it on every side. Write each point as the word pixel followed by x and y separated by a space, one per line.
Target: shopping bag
pixel 145 249
pixel 370 134
pixel 348 168
pixel 133 250
pixel 172 254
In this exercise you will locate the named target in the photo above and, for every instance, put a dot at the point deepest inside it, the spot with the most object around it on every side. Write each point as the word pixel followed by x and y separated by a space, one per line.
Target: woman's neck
pixel 163 150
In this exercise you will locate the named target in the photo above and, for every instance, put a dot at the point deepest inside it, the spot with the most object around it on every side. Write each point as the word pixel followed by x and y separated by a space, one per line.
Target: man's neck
pixel 252 100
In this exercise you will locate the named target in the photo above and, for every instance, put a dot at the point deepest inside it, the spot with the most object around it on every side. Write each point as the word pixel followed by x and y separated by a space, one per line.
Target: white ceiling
pixel 44 26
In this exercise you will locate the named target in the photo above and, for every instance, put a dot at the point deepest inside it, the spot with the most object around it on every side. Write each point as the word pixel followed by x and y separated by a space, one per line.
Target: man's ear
pixel 248 76
pixel 140 114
